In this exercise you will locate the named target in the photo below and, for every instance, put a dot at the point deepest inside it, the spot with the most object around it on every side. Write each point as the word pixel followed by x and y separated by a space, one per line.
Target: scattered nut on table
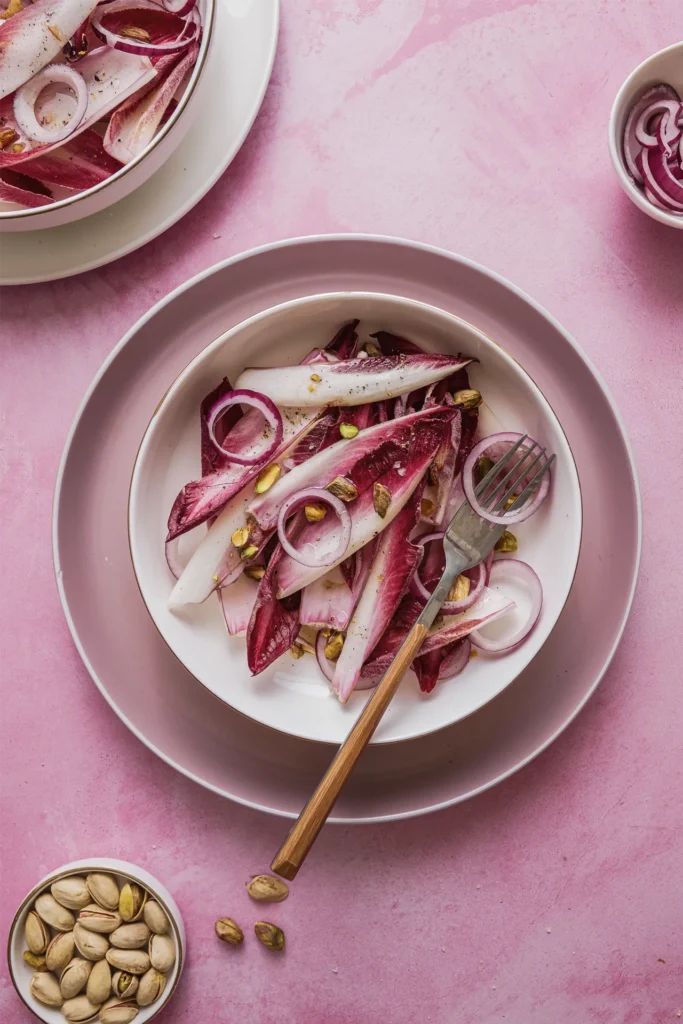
pixel 99 952
pixel 268 889
pixel 270 935
pixel 229 931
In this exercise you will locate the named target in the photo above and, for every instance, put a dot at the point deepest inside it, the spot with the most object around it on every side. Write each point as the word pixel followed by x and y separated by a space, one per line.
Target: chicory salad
pixel 327 487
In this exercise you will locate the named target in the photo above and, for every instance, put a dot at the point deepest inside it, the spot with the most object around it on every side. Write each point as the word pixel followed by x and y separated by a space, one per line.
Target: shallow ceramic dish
pixel 290 695
pixel 181 721
pixel 93 200
pixel 665 66
pixel 21 973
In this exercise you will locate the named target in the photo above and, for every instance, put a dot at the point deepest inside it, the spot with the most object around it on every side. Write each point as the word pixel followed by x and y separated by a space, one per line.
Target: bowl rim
pixel 61 204
pixel 618 113
pixel 88 866
pixel 226 337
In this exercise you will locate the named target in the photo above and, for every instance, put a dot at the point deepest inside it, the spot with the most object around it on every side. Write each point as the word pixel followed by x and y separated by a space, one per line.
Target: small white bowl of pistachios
pixel 97 940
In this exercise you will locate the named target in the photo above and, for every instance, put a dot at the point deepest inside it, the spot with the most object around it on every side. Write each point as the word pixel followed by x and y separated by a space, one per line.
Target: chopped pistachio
pixel 484 465
pixel 460 589
pixel 7 136
pixel 215 579
pixel 507 542
pixel 267 477
pixel 468 398
pixel 427 508
pixel 333 647
pixel 249 551
pixel 297 651
pixel 133 32
pixel 56 33
pixel 381 499
pixel 315 513
pixel 348 430
pixel 342 488
pixel 255 572
pixel 316 377
pixel 311 387
pixel 240 537
pixel 13 7
pixel 372 349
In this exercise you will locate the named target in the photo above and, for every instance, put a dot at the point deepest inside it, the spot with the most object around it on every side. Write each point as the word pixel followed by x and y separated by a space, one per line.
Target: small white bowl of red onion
pixel 94 97
pixel 646 136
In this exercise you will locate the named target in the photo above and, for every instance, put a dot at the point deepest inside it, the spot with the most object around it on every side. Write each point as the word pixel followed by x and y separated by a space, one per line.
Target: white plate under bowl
pixel 290 695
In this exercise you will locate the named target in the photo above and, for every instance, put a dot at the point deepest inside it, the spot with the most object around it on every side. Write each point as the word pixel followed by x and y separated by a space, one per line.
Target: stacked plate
pixel 182 686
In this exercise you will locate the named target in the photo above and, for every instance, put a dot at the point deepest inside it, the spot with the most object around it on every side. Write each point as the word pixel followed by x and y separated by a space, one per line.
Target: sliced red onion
pixel 469 484
pixel 453 664
pixel 304 497
pixel 660 180
pixel 26 97
pixel 656 92
pixel 326 666
pixel 146 49
pixel 268 410
pixel 667 129
pixel 449 607
pixel 180 7
pixel 173 558
pixel 502 570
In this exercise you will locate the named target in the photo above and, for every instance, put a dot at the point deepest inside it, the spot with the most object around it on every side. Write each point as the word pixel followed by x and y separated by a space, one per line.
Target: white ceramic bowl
pixel 292 696
pixel 665 66
pixel 133 174
pixel 21 973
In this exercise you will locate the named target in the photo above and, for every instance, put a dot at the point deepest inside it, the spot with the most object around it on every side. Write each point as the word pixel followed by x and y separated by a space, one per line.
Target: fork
pixel 467 541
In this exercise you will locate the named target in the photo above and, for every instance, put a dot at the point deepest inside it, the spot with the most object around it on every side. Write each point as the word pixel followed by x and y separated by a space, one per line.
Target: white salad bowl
pixel 665 66
pixel 81 204
pixel 292 695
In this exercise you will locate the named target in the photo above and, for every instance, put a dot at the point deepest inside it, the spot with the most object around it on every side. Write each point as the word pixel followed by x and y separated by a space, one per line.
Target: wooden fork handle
pixel 292 853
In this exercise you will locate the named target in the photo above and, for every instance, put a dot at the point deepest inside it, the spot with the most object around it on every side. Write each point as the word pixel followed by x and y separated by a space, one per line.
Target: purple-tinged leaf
pixel 79 163
pixel 237 602
pixel 22 189
pixel 274 624
pixel 345 341
pixel 327 601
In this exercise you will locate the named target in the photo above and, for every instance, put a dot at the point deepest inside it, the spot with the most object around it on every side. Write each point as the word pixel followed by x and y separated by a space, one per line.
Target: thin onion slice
pixel 469 485
pixel 656 92
pixel 304 497
pixel 453 664
pixel 449 607
pixel 26 97
pixel 667 128
pixel 173 558
pixel 660 180
pixel 180 7
pixel 139 46
pixel 502 570
pixel 325 665
pixel 265 406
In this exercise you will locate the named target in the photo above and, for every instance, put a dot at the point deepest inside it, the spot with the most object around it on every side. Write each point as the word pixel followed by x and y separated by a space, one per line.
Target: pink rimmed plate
pixel 185 724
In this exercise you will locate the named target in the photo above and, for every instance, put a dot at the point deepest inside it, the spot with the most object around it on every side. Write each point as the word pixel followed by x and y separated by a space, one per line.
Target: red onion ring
pixel 325 665
pixel 453 664
pixel 660 180
pixel 302 497
pixel 179 7
pixel 512 568
pixel 26 97
pixel 172 557
pixel 667 129
pixel 265 406
pixel 657 92
pixel 128 45
pixel 502 518
pixel 448 607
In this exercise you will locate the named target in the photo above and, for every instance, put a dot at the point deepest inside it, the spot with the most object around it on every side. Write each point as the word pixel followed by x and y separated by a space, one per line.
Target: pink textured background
pixel 478 125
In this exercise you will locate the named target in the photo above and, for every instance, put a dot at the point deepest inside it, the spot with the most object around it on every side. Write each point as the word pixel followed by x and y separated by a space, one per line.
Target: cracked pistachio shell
pixel 104 890
pixel 89 944
pixel 124 984
pixel 53 913
pixel 71 892
pixel 97 919
pixel 36 933
pixel 130 936
pixel 152 984
pixel 74 977
pixel 35 960
pixel 60 951
pixel 99 983
pixel 133 961
pixel 118 1011
pixel 162 952
pixel 79 1009
pixel 155 918
pixel 45 988
pixel 132 901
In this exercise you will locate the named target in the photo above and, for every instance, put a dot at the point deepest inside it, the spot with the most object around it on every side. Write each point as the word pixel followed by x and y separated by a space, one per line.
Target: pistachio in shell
pixel 118 1011
pixel 99 982
pixel 124 984
pixel 53 913
pixel 79 1009
pixel 132 901
pixel 130 936
pixel 229 931
pixel 270 936
pixel 36 933
pixel 155 918
pixel 91 945
pixel 35 960
pixel 45 988
pixel 60 951
pixel 97 919
pixel 133 961
pixel 103 889
pixel 268 889
pixel 162 952
pixel 74 977
pixel 152 984
pixel 71 892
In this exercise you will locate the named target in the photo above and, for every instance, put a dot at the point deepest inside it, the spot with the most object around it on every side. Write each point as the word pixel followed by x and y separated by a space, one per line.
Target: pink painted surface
pixel 556 898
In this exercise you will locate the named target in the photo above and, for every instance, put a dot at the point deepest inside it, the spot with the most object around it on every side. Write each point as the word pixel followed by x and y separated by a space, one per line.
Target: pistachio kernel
pixel 348 430
pixel 7 136
pixel 255 572
pixel 468 398
pixel 460 589
pixel 381 499
pixel 372 349
pixel 296 651
pixel 342 488
pixel 333 647
pixel 315 513
pixel 35 960
pixel 249 551
pixel 427 508
pixel 267 477
pixel 133 32
pixel 507 542
pixel 240 536
pixel 316 377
